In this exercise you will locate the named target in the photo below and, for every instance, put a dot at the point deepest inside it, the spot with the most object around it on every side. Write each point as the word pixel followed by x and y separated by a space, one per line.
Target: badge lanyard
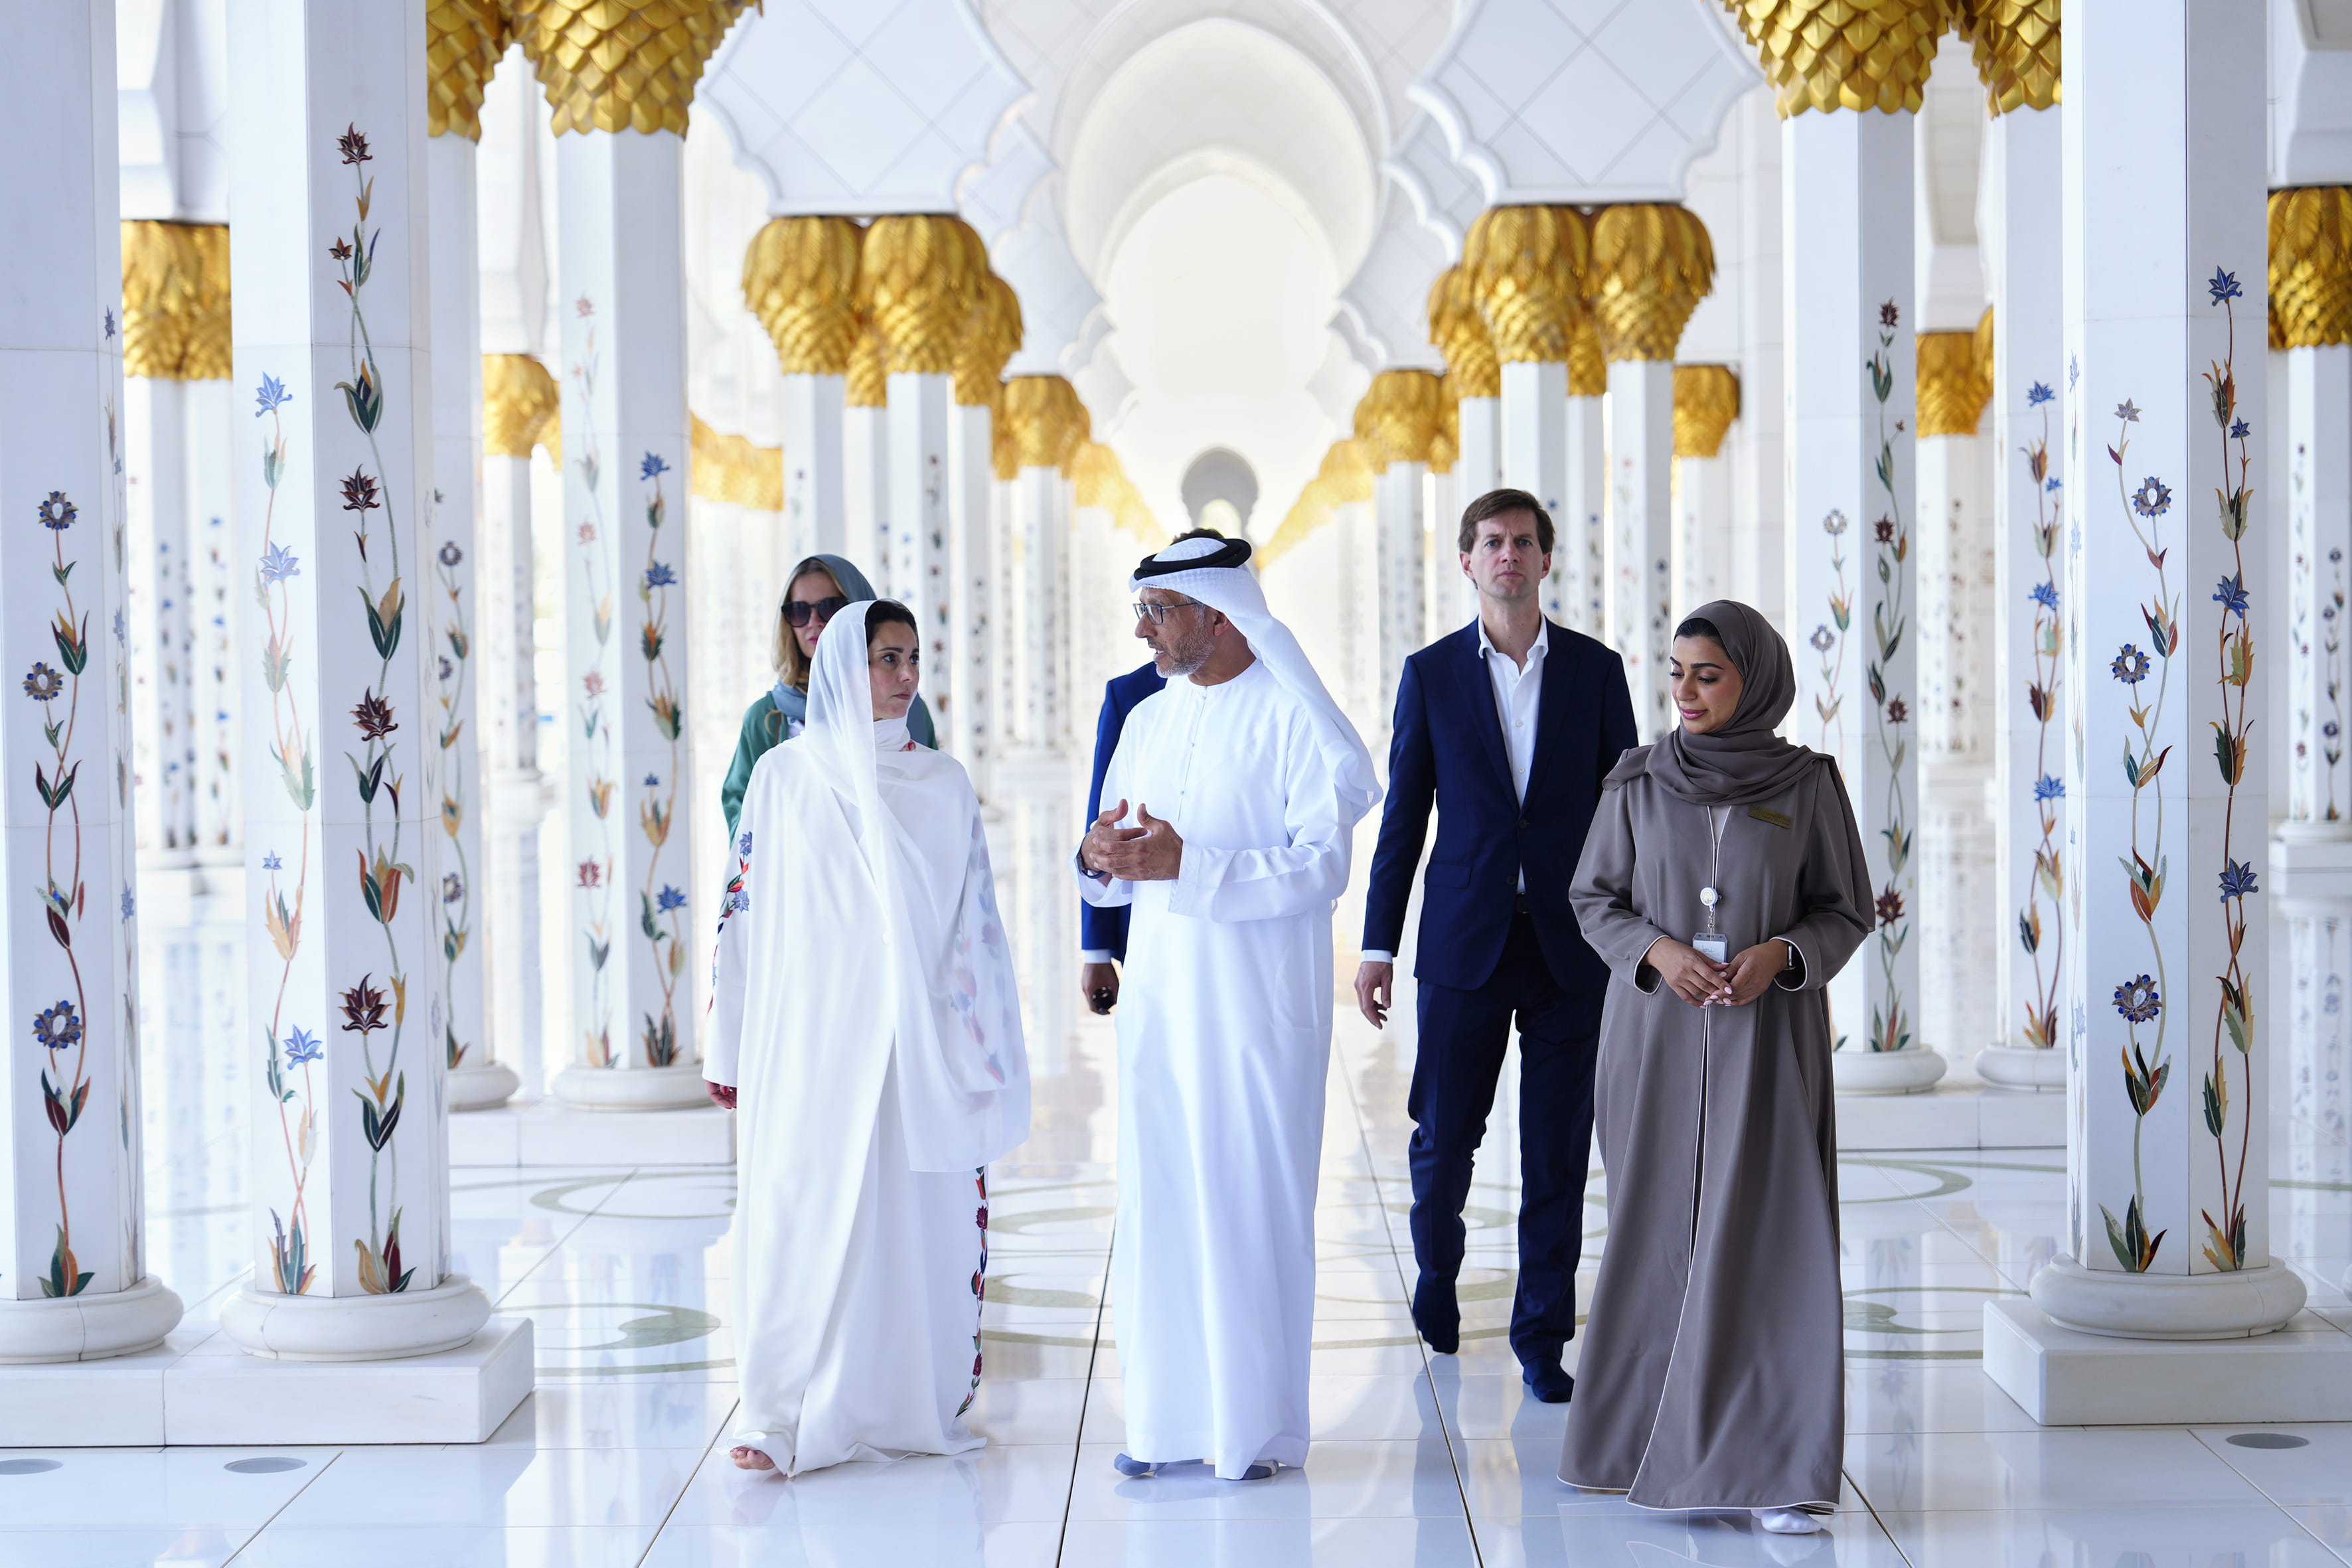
pixel 1712 944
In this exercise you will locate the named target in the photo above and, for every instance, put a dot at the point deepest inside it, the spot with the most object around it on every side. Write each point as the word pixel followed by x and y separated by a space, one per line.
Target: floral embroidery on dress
pixel 979 1287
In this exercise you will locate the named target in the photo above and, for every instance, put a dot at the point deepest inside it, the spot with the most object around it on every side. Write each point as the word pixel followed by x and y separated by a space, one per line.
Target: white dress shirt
pixel 1519 696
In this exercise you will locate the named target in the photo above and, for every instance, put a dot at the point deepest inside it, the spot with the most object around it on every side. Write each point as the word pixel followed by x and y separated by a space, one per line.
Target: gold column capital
pixel 1095 475
pixel 868 369
pixel 1346 471
pixel 800 278
pixel 522 407
pixel 1706 400
pixel 1445 447
pixel 463 42
pixel 175 303
pixel 1526 267
pixel 1044 420
pixel 1588 366
pixel 1844 53
pixel 991 332
pixel 1460 334
pixel 1954 384
pixel 622 65
pixel 2015 43
pixel 1651 264
pixel 734 469
pixel 2310 266
pixel 1401 414
pixel 917 278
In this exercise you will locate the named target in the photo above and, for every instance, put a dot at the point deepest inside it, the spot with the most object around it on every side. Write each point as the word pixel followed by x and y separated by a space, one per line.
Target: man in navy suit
pixel 1507 726
pixel 1102 933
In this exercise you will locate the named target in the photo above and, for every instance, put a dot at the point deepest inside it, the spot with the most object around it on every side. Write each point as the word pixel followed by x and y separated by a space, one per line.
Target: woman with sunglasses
pixel 820 586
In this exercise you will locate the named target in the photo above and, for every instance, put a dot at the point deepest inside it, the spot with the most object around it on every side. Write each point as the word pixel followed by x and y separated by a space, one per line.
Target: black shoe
pixel 1436 1314
pixel 1548 1382
pixel 1133 1470
pixel 1257 1472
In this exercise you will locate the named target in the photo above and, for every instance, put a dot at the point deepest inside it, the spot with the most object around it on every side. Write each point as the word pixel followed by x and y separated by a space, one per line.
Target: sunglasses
pixel 799 613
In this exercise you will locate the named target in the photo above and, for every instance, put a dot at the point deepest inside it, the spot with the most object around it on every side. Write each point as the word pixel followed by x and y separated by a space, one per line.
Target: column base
pixel 2063 1377
pixel 632 1089
pixel 2310 860
pixel 2024 1067
pixel 1885 1072
pixel 545 1132
pixel 484 1088
pixel 2106 1302
pixel 198 1388
pixel 356 1327
pixel 89 1327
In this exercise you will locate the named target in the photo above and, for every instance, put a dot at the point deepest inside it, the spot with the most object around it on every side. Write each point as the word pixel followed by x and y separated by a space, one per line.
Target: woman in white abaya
pixel 865 1025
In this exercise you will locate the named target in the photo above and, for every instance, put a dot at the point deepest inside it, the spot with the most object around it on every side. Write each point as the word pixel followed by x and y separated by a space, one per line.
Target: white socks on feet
pixel 1787 1521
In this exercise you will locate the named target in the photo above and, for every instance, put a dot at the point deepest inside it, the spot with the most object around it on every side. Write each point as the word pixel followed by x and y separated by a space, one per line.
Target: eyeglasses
pixel 1158 614
pixel 798 612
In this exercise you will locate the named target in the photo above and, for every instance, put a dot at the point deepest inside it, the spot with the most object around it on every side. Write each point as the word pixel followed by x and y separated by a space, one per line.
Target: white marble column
pixel 1706 400
pixel 1955 673
pixel 1533 420
pixel 2167 997
pixel 159 594
pixel 456 879
pixel 2311 277
pixel 350 1187
pixel 1524 267
pixel 1641 445
pixel 972 571
pixel 1847 227
pixel 865 462
pixel 800 278
pixel 2033 696
pixel 1397 501
pixel 630 793
pixel 73 1277
pixel 1478 468
pixel 1581 566
pixel 1045 423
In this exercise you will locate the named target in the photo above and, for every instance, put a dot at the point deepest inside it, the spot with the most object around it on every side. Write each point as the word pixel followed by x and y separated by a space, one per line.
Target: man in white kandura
pixel 865 1025
pixel 1246 780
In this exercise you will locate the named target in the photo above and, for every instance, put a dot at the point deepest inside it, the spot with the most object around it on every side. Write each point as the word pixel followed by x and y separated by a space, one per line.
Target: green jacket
pixel 763 727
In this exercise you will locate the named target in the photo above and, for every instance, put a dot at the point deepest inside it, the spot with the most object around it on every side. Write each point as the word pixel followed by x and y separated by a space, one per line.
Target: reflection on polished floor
pixel 620 1456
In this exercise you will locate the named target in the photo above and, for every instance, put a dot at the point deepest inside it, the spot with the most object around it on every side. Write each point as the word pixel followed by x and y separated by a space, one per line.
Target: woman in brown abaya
pixel 1711 1372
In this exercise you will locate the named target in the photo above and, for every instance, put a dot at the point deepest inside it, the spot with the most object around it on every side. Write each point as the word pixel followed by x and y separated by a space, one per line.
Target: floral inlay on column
pixel 62 1028
pixel 2225 1243
pixel 659 917
pixel 1829 645
pixel 1890 1030
pixel 2140 1000
pixel 298 1117
pixel 592 885
pixel 2041 689
pixel 455 663
pixel 380 870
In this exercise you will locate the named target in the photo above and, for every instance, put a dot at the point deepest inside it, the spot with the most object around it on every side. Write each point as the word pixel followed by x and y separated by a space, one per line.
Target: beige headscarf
pixel 1745 760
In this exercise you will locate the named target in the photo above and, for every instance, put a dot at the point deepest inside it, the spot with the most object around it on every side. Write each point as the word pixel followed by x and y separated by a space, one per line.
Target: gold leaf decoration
pixel 2310 266
pixel 868 371
pixel 735 468
pixel 991 332
pixel 175 312
pixel 622 65
pixel 2015 43
pixel 1651 264
pixel 1953 384
pixel 1044 421
pixel 521 407
pixel 463 42
pixel 1844 53
pixel 1400 416
pixel 1706 400
pixel 919 276
pixel 1525 266
pixel 1588 366
pixel 800 278
pixel 1460 333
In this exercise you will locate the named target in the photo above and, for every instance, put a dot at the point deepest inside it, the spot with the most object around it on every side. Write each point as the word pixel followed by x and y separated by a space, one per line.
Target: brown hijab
pixel 1744 761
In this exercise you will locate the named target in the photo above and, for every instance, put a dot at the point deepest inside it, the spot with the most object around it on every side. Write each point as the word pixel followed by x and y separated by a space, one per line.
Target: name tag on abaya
pixel 1778 819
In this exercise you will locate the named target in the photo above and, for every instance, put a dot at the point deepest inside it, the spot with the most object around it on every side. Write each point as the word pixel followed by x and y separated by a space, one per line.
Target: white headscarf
pixel 1233 591
pixel 912 825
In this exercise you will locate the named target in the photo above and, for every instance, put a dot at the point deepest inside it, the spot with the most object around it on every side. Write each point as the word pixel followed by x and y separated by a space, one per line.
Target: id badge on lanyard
pixel 1712 944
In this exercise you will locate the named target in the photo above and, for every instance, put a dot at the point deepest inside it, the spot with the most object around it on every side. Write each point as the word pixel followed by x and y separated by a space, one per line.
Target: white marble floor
pixel 619 1458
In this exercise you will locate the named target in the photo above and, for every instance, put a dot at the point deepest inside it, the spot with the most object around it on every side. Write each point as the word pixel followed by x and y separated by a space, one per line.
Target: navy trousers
pixel 1464 1034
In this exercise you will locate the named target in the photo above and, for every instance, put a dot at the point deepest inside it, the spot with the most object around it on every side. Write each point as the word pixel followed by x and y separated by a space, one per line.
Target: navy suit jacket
pixel 1448 751
pixel 1106 929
